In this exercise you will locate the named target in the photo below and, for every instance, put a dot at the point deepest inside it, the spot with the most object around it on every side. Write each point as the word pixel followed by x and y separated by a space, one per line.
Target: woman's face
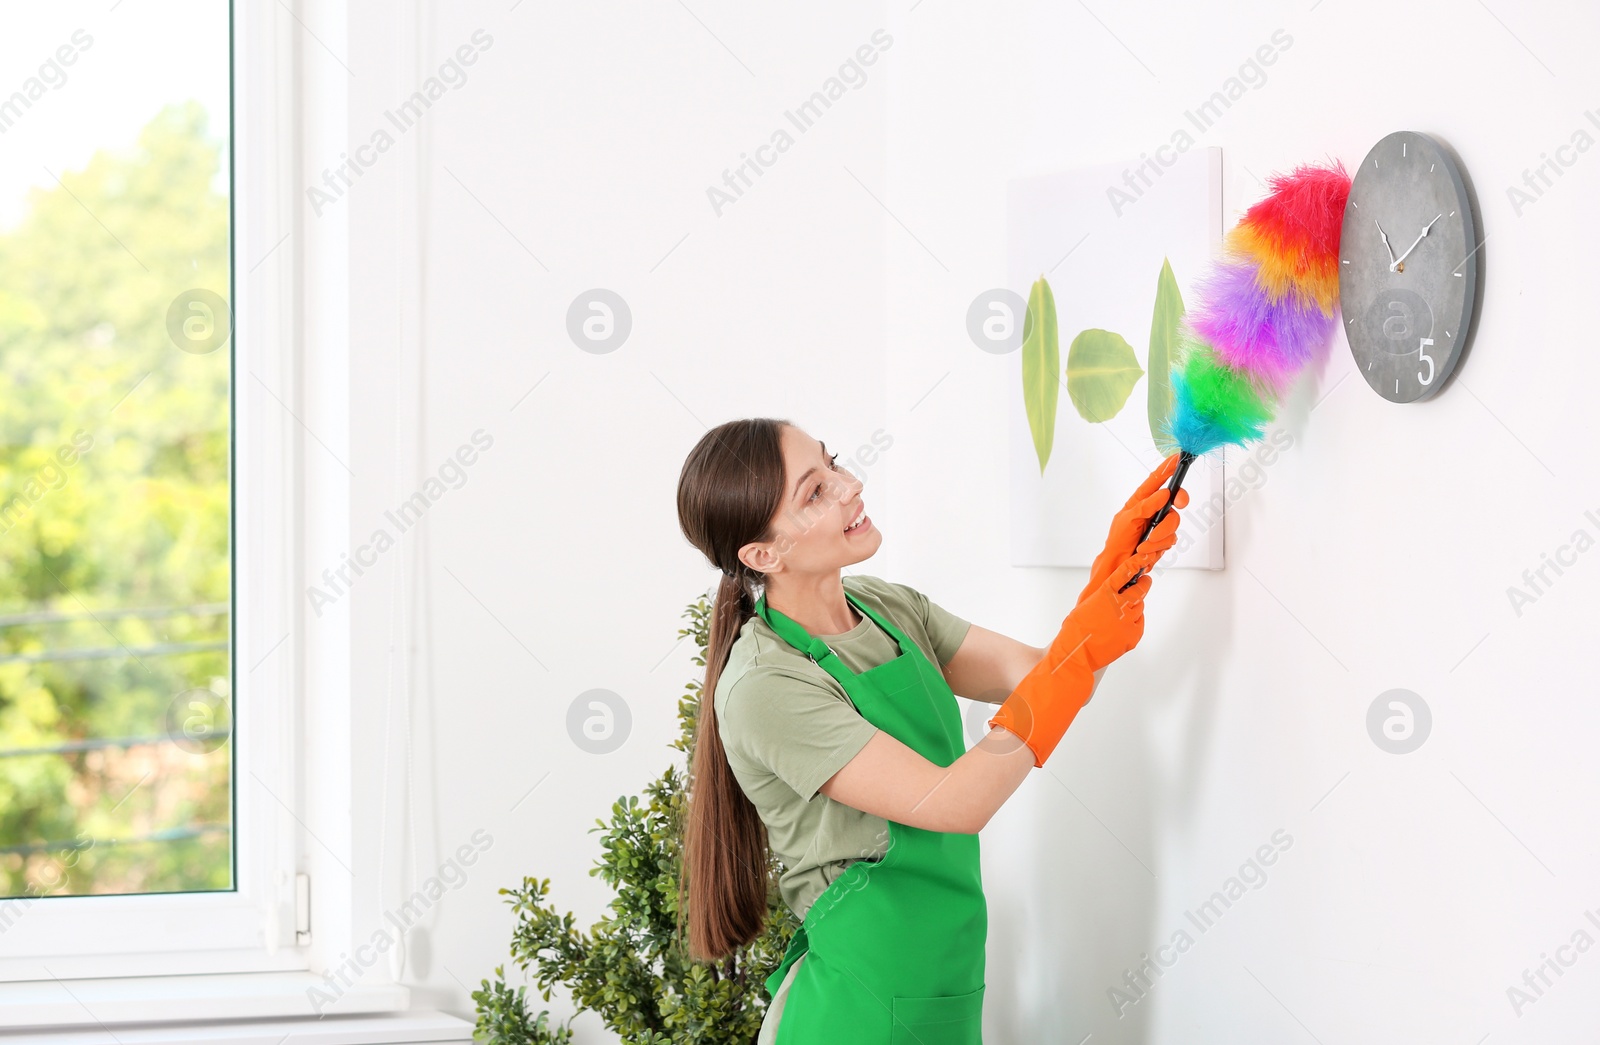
pixel 820 499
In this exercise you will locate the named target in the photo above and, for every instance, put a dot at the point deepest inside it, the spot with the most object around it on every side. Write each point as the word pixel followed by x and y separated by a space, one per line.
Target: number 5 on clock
pixel 1426 359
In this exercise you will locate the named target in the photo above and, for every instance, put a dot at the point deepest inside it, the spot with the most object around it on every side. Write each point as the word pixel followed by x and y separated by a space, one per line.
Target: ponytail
pixel 729 492
pixel 725 842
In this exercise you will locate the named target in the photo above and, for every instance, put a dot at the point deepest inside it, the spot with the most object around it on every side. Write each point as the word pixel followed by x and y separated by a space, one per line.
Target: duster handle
pixel 1185 459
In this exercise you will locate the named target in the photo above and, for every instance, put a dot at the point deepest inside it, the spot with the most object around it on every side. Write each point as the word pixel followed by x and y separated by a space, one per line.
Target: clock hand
pixel 1396 263
pixel 1386 244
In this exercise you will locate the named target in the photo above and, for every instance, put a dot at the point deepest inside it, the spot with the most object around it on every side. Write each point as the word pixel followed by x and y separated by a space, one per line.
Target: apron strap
pixel 820 652
pixel 798 945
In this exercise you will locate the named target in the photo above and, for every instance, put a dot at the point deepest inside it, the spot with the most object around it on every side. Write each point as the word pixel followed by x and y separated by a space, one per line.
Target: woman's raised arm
pixel 888 779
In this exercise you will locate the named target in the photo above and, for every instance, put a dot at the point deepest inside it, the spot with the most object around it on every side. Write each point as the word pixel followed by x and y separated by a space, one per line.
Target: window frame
pixel 251 928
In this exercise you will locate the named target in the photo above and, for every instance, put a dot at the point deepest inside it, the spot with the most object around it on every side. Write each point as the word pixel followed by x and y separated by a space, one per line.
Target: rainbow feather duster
pixel 1263 312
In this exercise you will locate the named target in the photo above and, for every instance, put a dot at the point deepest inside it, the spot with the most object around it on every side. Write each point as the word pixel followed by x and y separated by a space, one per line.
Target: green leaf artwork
pixel 1163 349
pixel 1041 362
pixel 1101 371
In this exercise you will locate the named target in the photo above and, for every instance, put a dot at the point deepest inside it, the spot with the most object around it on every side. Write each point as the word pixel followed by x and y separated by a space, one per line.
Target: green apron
pixel 894 947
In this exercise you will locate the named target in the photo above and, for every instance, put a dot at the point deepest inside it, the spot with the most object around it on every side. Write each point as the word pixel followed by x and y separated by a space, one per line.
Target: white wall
pixel 576 155
pixel 1376 553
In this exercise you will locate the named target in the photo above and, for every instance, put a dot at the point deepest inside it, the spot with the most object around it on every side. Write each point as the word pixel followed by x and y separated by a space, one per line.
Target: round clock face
pixel 1408 267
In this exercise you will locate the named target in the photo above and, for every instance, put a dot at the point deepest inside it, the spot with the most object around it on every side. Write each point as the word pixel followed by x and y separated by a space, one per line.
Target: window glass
pixel 115 449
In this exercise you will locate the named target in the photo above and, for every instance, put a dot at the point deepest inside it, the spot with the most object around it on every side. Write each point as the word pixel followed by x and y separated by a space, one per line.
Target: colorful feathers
pixel 1262 313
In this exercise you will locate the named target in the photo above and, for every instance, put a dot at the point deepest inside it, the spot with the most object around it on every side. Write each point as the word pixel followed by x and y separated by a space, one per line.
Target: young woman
pixel 827 686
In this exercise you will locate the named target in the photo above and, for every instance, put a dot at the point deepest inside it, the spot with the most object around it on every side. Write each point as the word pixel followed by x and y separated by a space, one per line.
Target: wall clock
pixel 1408 266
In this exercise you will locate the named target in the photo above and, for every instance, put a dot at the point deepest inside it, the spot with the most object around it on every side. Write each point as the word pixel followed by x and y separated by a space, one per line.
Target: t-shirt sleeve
pixel 801 730
pixel 945 630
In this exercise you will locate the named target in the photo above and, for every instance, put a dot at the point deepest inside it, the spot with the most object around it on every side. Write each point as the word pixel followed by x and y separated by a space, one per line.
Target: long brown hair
pixel 729 492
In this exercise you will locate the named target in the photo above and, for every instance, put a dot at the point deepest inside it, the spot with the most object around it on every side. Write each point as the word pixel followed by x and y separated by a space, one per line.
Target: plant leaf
pixel 1041 362
pixel 1101 371
pixel 1163 346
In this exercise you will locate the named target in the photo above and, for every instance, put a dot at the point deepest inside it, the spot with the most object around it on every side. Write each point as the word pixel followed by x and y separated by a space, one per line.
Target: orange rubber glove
pixel 1102 627
pixel 1129 523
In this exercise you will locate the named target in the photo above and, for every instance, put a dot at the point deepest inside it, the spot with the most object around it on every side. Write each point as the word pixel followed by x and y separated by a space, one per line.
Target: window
pixel 147 802
pixel 115 673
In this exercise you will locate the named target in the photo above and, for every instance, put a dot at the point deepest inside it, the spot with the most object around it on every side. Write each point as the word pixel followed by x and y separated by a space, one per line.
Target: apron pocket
pixel 944 1019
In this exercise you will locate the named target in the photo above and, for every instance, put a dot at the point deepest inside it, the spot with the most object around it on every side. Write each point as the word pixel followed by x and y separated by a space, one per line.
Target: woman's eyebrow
pixel 807 473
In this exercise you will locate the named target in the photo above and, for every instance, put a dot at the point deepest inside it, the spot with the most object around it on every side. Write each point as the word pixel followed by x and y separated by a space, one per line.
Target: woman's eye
pixel 831 459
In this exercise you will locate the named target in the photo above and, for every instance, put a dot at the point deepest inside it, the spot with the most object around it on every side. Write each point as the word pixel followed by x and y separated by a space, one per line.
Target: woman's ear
pixel 759 557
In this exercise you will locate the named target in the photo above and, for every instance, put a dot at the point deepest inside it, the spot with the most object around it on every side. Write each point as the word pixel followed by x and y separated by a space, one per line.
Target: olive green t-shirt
pixel 788 726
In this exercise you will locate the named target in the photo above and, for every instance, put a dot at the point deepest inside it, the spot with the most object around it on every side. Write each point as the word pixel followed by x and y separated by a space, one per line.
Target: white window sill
pixel 411 1028
pixel 129 1001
